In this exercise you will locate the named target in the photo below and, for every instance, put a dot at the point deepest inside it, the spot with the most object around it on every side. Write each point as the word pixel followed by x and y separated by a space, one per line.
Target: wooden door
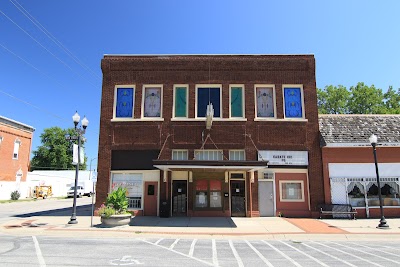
pixel 150 198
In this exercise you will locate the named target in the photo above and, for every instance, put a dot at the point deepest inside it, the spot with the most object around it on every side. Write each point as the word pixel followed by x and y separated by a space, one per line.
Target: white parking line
pixel 214 253
pixel 305 254
pixel 334 257
pixel 237 257
pixel 158 241
pixel 191 251
pixel 380 251
pixel 344 252
pixel 362 251
pixel 283 254
pixel 259 254
pixel 39 255
pixel 173 244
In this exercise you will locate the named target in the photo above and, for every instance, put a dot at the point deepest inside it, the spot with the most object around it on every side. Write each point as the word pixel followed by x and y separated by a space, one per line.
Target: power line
pixel 52 37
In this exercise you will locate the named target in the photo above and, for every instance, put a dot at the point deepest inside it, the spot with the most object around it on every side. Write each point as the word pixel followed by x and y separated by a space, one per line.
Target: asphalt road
pixel 50 251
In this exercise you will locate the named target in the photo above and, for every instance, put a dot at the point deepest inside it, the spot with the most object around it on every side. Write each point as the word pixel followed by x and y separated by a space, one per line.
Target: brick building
pixel 15 149
pixel 258 155
pixel 349 165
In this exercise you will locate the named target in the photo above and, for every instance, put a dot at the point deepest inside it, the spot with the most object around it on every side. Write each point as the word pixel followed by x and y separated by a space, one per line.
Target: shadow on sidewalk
pixel 82 210
pixel 207 222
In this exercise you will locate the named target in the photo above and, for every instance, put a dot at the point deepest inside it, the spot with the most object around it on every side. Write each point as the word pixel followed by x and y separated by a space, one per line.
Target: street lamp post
pixel 382 223
pixel 79 132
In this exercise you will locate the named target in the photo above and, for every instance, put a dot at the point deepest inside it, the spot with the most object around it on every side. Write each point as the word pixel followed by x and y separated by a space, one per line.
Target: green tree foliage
pixel 360 99
pixel 55 153
pixel 333 100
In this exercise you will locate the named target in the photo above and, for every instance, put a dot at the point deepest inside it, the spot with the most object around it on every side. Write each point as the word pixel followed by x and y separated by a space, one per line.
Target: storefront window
pixel 133 182
pixel 292 191
pixel 208 194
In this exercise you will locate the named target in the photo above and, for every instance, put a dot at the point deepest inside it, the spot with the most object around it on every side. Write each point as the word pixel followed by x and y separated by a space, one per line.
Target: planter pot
pixel 116 220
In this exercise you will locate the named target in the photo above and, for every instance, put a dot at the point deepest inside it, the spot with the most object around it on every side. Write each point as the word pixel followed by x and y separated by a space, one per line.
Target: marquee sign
pixel 278 157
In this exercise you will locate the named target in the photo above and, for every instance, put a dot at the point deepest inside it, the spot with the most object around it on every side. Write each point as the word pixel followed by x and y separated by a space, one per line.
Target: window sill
pixel 204 119
pixel 141 119
pixel 281 120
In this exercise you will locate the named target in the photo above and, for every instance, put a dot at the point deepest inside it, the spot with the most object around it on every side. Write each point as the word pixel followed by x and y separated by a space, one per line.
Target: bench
pixel 332 209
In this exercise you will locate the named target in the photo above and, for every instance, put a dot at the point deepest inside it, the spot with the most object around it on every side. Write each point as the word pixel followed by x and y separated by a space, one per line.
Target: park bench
pixel 337 209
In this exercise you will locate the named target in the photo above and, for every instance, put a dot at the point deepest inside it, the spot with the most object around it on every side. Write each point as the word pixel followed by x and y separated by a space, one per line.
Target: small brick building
pixel 15 149
pixel 260 157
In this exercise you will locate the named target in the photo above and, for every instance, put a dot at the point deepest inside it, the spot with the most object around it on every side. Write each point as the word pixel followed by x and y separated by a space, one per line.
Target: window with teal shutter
pixel 293 103
pixel 124 103
pixel 181 102
pixel 237 102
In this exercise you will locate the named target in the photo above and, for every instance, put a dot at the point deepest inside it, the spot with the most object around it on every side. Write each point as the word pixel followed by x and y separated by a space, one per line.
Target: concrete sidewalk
pixel 266 227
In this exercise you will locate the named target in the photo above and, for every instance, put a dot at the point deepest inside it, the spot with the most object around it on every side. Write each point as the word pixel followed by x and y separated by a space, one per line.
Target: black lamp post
pixel 79 132
pixel 382 223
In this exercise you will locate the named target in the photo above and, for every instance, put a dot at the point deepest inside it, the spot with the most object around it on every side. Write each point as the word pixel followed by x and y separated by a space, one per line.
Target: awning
pixel 208 165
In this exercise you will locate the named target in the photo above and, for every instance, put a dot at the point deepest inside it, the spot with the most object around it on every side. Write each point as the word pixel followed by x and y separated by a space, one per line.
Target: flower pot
pixel 116 220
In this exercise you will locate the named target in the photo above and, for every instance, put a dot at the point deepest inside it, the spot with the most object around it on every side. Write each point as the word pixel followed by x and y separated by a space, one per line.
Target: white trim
pixel 291 181
pixel 281 120
pixel 302 100
pixel 116 87
pixel 361 145
pixel 214 119
pixel 283 170
pixel 220 98
pixel 161 101
pixel 141 119
pixel 237 150
pixel 255 101
pixel 220 151
pixel 243 101
pixel 179 150
pixel 173 100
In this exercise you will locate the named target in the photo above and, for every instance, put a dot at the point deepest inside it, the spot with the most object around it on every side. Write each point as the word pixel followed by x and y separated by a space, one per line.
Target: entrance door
pixel 238 200
pixel 179 198
pixel 150 198
pixel 266 199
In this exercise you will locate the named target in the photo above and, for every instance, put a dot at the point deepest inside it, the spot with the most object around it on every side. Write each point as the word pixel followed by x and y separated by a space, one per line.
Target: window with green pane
pixel 237 102
pixel 181 102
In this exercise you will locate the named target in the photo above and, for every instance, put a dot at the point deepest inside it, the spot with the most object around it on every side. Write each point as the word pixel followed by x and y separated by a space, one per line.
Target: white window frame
pixel 220 98
pixel 187 101
pixel 302 100
pixel 143 186
pixel 180 151
pixel 256 118
pixel 16 148
pixel 210 150
pixel 116 87
pixel 243 101
pixel 161 102
pixel 281 182
pixel 237 150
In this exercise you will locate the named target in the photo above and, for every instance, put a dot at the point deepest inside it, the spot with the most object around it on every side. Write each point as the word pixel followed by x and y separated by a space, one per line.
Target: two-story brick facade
pixel 260 157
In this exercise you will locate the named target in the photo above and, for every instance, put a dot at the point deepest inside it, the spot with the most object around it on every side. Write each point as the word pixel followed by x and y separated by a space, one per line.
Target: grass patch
pixel 19 200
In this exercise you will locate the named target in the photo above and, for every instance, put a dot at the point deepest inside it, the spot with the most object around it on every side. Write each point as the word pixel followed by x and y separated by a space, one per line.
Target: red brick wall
pixel 225 70
pixel 8 165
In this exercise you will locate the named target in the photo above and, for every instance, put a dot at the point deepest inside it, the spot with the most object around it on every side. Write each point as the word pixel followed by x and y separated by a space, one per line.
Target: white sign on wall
pixel 280 157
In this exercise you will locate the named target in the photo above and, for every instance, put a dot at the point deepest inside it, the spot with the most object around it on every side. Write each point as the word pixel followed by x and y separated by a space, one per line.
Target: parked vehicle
pixel 42 191
pixel 84 188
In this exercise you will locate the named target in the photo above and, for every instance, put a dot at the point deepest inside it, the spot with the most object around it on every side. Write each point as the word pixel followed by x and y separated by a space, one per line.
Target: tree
pixel 392 101
pixel 55 153
pixel 333 100
pixel 366 100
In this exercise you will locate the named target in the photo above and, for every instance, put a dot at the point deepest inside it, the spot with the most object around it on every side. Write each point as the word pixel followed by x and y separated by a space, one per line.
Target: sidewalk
pixel 267 227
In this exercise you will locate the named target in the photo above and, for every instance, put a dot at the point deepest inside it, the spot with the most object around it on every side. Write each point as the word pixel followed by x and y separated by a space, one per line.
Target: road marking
pixel 237 257
pixel 267 262
pixel 362 251
pixel 283 254
pixel 344 252
pixel 214 253
pixel 177 252
pixel 381 251
pixel 173 244
pixel 191 251
pixel 39 255
pixel 158 241
pixel 305 254
pixel 334 257
pixel 126 260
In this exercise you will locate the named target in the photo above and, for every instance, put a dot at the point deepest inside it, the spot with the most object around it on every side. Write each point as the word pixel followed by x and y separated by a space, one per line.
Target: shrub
pixel 118 200
pixel 106 211
pixel 15 195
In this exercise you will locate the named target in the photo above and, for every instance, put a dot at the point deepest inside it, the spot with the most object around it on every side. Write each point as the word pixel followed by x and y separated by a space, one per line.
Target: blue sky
pixel 42 84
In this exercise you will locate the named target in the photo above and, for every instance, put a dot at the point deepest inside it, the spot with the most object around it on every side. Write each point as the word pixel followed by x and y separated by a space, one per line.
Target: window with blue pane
pixel 208 95
pixel 293 103
pixel 124 103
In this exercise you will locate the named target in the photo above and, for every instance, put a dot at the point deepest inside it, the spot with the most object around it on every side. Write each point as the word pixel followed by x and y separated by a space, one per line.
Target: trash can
pixel 164 209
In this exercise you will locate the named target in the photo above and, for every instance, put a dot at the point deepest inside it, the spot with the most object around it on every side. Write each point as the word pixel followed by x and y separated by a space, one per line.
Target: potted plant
pixel 114 211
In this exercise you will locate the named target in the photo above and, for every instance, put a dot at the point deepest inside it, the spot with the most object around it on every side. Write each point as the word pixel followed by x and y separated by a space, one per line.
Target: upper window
pixel 293 101
pixel 152 101
pixel 124 101
pixel 206 94
pixel 180 109
pixel 236 155
pixel 236 96
pixel 291 191
pixel 265 101
pixel 17 144
pixel 208 155
pixel 179 154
